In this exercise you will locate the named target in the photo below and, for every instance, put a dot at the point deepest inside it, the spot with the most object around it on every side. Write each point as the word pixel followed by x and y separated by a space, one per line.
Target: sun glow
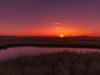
pixel 63 32
pixel 61 35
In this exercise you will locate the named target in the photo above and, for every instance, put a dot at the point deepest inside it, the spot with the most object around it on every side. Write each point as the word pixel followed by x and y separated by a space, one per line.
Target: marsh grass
pixel 59 63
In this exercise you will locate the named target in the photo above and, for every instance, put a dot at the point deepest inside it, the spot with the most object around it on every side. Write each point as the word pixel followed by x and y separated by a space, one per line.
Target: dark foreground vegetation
pixel 61 63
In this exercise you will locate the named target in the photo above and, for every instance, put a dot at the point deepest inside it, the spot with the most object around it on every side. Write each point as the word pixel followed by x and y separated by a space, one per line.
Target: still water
pixel 19 51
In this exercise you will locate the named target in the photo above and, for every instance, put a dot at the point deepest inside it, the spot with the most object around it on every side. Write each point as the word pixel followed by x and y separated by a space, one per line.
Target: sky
pixel 49 17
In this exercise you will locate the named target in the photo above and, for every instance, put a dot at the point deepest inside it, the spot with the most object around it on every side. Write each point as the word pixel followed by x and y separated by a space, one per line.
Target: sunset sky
pixel 49 17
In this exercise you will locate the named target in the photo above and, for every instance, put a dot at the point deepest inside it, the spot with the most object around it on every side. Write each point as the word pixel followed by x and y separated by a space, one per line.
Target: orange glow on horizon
pixel 61 35
pixel 54 34
pixel 63 32
pixel 58 31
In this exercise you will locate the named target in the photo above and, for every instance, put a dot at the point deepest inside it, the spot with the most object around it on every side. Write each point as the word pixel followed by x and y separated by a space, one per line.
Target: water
pixel 19 51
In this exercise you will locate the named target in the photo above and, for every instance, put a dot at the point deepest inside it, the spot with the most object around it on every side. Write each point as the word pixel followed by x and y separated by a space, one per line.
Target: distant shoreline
pixel 75 42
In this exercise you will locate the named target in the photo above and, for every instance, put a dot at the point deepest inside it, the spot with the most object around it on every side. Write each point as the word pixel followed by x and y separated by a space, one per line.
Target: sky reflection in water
pixel 19 51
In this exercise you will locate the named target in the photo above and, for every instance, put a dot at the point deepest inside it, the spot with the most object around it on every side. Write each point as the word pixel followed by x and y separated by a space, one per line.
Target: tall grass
pixel 60 63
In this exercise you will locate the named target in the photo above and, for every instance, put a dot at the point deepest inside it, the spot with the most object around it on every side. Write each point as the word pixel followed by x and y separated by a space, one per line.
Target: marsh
pixel 49 61
pixel 29 51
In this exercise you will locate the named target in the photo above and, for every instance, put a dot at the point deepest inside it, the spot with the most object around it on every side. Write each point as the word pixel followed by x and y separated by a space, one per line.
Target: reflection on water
pixel 18 51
